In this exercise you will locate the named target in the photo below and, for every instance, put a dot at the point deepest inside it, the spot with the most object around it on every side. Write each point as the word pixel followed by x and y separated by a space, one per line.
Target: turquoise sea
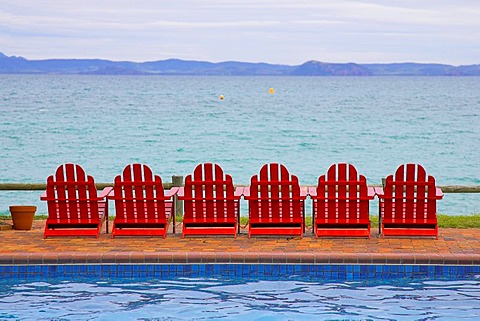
pixel 174 123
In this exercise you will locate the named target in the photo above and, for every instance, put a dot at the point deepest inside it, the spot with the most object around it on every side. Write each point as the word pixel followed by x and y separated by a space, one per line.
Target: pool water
pixel 239 299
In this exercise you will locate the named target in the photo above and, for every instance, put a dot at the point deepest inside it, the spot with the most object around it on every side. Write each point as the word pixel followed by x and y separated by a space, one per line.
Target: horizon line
pixel 240 61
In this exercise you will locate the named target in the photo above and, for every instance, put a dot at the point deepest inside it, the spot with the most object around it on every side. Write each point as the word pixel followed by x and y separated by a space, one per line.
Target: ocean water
pixel 173 123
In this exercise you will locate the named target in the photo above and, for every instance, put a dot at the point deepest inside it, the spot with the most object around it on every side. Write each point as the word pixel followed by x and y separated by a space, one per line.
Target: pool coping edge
pixel 136 257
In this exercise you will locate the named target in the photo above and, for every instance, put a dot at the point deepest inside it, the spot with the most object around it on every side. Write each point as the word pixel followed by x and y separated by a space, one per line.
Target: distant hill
pixel 316 68
pixel 413 69
pixel 20 65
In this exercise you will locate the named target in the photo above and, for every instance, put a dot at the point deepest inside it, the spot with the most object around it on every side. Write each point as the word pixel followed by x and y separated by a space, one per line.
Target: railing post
pixel 178 182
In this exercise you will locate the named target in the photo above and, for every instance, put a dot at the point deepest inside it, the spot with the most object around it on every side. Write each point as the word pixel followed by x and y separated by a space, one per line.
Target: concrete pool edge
pixel 137 257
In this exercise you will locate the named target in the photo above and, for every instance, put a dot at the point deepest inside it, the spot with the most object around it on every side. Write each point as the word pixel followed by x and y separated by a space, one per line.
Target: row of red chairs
pixel 211 203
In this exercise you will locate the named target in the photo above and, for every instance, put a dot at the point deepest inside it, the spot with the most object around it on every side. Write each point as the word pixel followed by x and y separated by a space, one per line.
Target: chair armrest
pixel 111 195
pixel 239 191
pixel 181 193
pixel 172 192
pixel 439 193
pixel 371 192
pixel 246 192
pixel 312 191
pixel 43 197
pixel 105 192
pixel 379 191
pixel 303 191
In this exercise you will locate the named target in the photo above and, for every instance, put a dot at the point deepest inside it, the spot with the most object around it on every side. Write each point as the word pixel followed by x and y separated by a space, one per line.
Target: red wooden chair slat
pixel 74 207
pixel 208 192
pixel 276 205
pixel 211 206
pixel 408 203
pixel 141 206
pixel 341 203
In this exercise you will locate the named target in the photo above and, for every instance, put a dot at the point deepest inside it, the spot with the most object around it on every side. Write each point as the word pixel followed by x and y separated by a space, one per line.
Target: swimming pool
pixel 239 292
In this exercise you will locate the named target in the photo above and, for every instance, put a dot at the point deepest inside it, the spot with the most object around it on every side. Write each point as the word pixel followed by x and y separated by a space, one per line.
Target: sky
pixel 279 32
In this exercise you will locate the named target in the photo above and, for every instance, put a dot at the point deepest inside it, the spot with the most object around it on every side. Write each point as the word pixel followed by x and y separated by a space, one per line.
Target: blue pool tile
pixel 254 271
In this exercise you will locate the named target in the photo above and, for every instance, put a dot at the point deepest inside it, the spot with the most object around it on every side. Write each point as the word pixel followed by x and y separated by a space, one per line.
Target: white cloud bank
pixel 285 32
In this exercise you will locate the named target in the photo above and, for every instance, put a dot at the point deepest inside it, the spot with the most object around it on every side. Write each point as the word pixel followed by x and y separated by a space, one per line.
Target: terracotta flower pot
pixel 22 216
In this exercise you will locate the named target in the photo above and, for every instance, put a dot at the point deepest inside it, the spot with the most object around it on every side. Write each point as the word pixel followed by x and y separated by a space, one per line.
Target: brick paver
pixel 454 246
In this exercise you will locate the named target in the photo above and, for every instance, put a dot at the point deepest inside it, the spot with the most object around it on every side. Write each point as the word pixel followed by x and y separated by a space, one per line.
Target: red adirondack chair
pixel 341 203
pixel 74 207
pixel 141 206
pixel 276 202
pixel 211 204
pixel 408 203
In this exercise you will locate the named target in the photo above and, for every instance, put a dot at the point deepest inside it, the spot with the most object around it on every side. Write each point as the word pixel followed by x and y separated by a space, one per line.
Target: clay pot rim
pixel 27 207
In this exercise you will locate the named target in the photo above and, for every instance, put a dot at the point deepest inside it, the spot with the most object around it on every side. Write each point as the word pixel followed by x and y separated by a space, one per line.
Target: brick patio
pixel 454 246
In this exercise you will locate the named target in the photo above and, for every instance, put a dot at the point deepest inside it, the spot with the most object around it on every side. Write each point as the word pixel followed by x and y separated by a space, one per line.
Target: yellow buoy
pixel 271 91
pixel 221 97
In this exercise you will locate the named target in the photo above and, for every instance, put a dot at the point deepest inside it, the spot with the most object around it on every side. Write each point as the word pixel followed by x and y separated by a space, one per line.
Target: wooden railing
pixel 177 181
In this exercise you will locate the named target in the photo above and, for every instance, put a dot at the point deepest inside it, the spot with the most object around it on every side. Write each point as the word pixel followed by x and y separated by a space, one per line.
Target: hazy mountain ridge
pixel 20 65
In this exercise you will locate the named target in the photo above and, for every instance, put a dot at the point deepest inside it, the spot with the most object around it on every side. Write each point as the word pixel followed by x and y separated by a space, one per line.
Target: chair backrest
pixel 209 193
pixel 275 193
pixel 71 194
pixel 410 194
pixel 342 194
pixel 139 195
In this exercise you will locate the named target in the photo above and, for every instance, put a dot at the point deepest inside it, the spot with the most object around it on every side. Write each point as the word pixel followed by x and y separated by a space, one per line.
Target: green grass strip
pixel 444 220
pixel 461 221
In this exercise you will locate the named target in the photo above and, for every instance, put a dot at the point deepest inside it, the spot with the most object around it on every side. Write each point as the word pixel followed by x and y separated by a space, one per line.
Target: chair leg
pixel 238 217
pixel 303 214
pixel 313 217
pixel 174 212
pixel 379 218
pixel 106 218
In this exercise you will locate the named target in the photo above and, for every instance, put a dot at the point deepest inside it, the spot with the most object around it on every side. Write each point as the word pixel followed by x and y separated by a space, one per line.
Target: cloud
pixel 278 31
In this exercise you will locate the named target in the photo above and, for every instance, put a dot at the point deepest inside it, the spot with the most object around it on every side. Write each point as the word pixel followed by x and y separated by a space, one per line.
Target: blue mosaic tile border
pixel 257 271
